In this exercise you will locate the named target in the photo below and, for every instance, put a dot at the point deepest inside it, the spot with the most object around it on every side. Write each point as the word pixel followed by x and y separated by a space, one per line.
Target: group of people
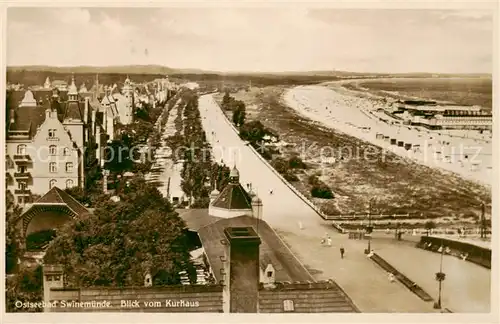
pixel 327 241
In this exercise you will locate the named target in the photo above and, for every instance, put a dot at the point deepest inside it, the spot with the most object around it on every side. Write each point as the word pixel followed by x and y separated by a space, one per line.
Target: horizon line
pixel 241 71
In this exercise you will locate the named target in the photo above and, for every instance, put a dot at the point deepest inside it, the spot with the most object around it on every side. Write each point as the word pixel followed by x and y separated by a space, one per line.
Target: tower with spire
pixel 47 84
pixel 234 200
pixel 72 90
pixel 128 92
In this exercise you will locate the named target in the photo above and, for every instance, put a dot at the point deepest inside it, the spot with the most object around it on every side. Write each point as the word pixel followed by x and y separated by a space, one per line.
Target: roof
pixel 73 110
pixel 58 196
pixel 307 297
pixel 272 249
pixel 196 218
pixel 206 298
pixel 28 119
pixel 233 196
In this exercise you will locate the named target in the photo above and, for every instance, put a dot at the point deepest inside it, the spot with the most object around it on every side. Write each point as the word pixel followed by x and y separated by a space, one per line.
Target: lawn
pixel 399 186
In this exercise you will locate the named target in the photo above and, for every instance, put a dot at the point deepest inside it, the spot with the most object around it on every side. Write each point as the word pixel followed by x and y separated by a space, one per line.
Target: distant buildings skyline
pixel 265 39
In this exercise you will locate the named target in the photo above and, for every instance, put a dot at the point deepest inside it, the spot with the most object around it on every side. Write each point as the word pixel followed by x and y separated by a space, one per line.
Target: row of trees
pixel 260 137
pixel 237 107
pixel 199 172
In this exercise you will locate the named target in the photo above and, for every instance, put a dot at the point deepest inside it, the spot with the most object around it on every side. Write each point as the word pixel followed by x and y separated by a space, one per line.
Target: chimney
pixel 52 278
pixel 48 114
pixel 12 116
pixel 98 144
pixel 94 130
pixel 242 271
pixel 86 111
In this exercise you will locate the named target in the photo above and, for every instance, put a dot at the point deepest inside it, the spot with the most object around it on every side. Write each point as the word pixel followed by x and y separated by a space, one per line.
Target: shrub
pixel 36 241
pixel 313 180
pixel 320 190
pixel 296 162
pixel 280 165
pixel 291 177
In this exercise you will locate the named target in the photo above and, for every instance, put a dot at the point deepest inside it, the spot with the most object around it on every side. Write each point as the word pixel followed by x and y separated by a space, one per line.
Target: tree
pixel 118 157
pixel 281 165
pixel 24 286
pixel 226 100
pixel 13 246
pixel 429 225
pixel 123 240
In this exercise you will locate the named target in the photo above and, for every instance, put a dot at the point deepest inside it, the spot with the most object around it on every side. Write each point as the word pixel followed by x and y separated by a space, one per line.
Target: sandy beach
pixel 471 158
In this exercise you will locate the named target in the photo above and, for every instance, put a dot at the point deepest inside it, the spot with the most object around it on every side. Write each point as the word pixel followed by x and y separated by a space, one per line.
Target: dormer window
pixel 52 133
pixel 288 305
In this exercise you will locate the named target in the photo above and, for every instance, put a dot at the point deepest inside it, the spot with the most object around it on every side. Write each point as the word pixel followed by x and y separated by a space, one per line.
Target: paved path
pixel 361 279
pixel 467 285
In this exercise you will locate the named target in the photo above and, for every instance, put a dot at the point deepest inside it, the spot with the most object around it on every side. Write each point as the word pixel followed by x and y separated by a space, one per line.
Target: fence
pixel 294 190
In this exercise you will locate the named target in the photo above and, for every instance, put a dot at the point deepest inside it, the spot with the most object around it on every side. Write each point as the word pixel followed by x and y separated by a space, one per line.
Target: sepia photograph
pixel 290 158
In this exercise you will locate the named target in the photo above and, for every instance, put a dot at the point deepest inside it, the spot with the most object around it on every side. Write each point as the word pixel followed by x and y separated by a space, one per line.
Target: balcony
pixel 22 192
pixel 22 158
pixel 22 175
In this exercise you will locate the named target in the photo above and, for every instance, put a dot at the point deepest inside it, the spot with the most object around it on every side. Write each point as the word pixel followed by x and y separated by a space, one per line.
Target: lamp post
pixel 369 228
pixel 483 221
pixel 440 276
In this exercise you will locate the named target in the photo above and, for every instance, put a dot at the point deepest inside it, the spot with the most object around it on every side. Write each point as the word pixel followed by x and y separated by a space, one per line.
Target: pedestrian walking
pixel 301 226
pixel 329 241
pixel 391 277
pixel 342 251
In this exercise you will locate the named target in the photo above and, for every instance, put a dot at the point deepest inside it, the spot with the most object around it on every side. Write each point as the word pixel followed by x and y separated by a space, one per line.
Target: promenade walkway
pixel 362 280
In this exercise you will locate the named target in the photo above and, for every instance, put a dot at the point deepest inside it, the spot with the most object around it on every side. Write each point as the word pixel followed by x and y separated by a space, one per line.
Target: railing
pixel 22 157
pixel 22 192
pixel 294 190
pixel 22 175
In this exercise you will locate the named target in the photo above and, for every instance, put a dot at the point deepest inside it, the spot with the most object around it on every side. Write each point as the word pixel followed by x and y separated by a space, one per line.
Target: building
pixel 53 138
pixel 51 211
pixel 253 271
pixel 434 116
pixel 240 292
pixel 41 151
pixel 233 201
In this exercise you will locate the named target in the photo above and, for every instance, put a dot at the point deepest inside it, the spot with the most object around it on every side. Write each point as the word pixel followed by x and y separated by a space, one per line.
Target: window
pixel 52 150
pixel 22 169
pixel 69 183
pixel 269 274
pixel 69 167
pixel 21 149
pixel 52 183
pixel 21 185
pixel 66 151
pixel 52 167
pixel 52 133
pixel 288 305
pixel 20 200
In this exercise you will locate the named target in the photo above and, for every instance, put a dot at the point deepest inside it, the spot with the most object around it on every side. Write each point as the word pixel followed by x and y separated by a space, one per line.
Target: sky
pixel 256 39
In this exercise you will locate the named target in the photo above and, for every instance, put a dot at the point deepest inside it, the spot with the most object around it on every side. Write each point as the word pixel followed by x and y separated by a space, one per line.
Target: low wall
pixel 412 286
pixel 288 184
pixel 192 298
pixel 476 254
